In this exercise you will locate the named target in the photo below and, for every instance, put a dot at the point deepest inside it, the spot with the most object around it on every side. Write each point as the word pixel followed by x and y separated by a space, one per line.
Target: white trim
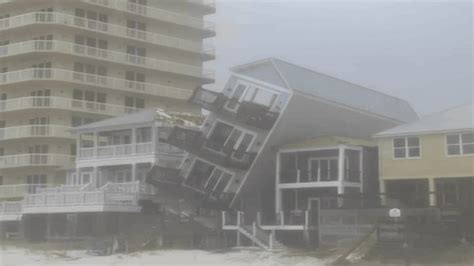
pixel 407 148
pixel 320 148
pixel 460 145
pixel 431 132
pixel 319 159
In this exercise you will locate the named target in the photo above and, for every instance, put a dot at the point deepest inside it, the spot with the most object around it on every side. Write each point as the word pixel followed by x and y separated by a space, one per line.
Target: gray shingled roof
pixel 309 82
pixel 457 119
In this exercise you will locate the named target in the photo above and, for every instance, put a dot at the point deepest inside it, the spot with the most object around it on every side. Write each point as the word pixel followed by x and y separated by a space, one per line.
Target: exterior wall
pixel 434 161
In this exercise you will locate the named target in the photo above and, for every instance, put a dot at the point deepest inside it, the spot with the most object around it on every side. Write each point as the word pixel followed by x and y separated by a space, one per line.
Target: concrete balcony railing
pixel 108 28
pixel 124 150
pixel 158 13
pixel 25 103
pixel 19 190
pixel 106 55
pixel 26 160
pixel 34 74
pixel 34 131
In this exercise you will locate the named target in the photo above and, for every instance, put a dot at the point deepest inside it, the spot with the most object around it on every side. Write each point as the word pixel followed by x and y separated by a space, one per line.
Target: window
pixel 323 169
pixel 136 55
pixel 260 96
pixel 136 29
pixel 406 147
pixel 227 138
pixel 143 135
pixel 132 102
pixel 208 178
pixel 233 102
pixel 460 144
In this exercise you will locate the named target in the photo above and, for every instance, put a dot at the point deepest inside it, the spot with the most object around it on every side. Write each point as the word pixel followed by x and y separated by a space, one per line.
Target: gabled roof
pixel 456 119
pixel 309 82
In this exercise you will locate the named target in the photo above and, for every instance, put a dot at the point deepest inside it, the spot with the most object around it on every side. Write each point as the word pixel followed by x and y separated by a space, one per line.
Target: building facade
pixel 68 63
pixel 430 162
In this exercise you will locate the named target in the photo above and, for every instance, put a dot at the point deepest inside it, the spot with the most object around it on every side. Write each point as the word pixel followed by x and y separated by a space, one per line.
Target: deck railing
pixel 10 207
pixel 128 150
pixel 157 13
pixel 30 131
pixel 46 102
pixel 22 160
pixel 32 74
pixel 103 54
pixel 19 190
pixel 106 28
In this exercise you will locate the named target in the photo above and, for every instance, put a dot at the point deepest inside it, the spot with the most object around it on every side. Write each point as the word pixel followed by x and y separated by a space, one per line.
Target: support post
pixel 254 229
pixel 383 196
pixel 134 141
pixel 277 184
pixel 270 240
pixel 238 238
pixel 282 218
pixel 238 218
pixel 341 172
pixel 259 218
pixel 223 218
pixel 432 191
pixel 134 172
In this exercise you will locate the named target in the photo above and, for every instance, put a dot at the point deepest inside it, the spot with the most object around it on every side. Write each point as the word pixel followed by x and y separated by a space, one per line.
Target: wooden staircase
pixel 261 238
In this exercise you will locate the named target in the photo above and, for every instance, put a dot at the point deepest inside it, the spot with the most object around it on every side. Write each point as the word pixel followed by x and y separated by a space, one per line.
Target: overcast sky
pixel 421 51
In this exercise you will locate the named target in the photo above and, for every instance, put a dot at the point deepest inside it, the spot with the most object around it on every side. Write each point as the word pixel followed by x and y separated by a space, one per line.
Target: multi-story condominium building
pixel 68 63
pixel 430 162
pixel 266 104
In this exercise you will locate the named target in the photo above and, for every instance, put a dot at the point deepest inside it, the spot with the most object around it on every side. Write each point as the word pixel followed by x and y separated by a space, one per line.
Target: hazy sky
pixel 421 51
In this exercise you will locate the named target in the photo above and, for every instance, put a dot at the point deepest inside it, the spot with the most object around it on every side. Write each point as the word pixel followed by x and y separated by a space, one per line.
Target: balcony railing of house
pixel 103 54
pixel 107 28
pixel 304 218
pixel 23 103
pixel 194 142
pixel 306 176
pixel 11 207
pixel 19 190
pixel 157 13
pixel 251 113
pixel 33 131
pixel 93 80
pixel 22 160
pixel 127 150
pixel 130 187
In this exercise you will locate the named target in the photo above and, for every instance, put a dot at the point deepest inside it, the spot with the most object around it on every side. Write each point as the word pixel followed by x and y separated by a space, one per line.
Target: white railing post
pixel 238 218
pixel 298 175
pixel 254 229
pixel 223 218
pixel 270 241
pixel 282 218
pixel 259 218
pixel 306 219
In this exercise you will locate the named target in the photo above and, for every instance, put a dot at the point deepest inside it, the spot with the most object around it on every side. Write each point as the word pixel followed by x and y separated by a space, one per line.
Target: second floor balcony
pixel 194 141
pixel 54 74
pixel 69 104
pixel 247 112
pixel 35 160
pixel 35 131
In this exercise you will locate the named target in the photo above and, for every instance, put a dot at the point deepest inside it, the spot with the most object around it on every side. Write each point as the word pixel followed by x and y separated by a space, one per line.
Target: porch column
pixel 277 185
pixel 78 144
pixel 341 172
pixel 383 197
pixel 432 191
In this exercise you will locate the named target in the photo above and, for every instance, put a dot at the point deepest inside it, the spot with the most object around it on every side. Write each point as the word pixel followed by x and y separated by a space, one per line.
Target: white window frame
pixel 237 143
pixel 232 175
pixel 406 148
pixel 247 87
pixel 460 145
pixel 319 159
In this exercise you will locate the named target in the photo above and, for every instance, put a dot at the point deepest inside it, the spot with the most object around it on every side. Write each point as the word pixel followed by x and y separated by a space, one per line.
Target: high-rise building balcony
pixel 247 112
pixel 67 48
pixel 27 160
pixel 54 18
pixel 207 28
pixel 62 103
pixel 53 74
pixel 35 131
pixel 10 210
pixel 194 141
